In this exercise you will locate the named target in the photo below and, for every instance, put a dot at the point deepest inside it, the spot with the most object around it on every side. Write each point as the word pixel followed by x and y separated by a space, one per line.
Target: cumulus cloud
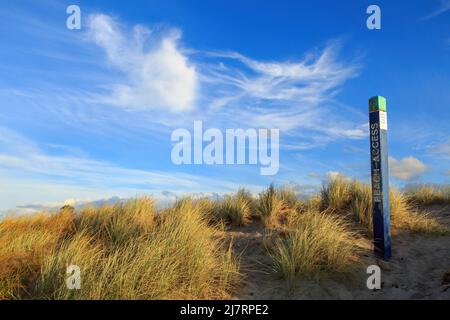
pixel 332 175
pixel 158 75
pixel 303 190
pixel 406 168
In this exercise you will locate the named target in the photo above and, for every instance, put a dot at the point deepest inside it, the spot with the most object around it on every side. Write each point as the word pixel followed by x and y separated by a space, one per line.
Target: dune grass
pixel 320 239
pixel 336 194
pixel 361 204
pixel 314 243
pixel 405 216
pixel 426 195
pixel 24 242
pixel 135 251
pixel 354 198
pixel 124 252
pixel 236 208
pixel 277 208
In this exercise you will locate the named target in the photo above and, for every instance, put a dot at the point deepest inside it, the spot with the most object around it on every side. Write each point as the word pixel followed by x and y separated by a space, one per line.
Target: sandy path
pixel 416 270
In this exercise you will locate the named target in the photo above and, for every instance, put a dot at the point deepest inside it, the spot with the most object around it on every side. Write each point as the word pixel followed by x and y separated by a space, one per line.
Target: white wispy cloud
pixel 305 81
pixel 285 94
pixel 406 168
pixel 158 75
pixel 443 8
pixel 224 88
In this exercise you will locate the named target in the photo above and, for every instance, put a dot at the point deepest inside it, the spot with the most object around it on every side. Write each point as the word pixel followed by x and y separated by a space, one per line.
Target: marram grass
pixel 312 244
pixel 353 198
pixel 134 251
pixel 276 208
pixel 426 195
pixel 123 251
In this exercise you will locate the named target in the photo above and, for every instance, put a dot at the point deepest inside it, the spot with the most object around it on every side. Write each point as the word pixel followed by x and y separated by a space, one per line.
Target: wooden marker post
pixel 380 177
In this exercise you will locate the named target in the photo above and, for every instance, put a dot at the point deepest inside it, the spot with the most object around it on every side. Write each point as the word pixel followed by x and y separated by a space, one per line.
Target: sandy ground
pixel 416 271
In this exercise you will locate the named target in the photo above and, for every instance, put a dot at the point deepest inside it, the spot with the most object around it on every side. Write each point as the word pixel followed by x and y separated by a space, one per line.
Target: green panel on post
pixel 377 103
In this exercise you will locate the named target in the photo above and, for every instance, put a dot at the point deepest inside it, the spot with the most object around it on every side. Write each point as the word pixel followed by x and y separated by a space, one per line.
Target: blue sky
pixel 88 114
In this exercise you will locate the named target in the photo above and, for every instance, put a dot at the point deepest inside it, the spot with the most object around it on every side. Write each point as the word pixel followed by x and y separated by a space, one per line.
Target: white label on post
pixel 383 120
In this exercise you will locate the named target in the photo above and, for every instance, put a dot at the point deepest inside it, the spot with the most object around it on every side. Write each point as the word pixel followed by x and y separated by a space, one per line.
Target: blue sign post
pixel 380 177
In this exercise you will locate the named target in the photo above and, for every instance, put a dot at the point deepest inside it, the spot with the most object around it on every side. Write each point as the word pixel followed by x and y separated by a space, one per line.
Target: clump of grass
pixel 124 252
pixel 210 210
pixel 426 195
pixel 115 224
pixel 313 203
pixel 288 196
pixel 277 207
pixel 24 242
pixel 403 215
pixel 361 204
pixel 336 194
pixel 314 243
pixel 236 208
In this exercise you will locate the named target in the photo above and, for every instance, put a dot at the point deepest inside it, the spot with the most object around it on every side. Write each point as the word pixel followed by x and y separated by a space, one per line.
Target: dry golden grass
pixel 361 204
pixel 236 208
pixel 124 252
pixel 426 195
pixel 336 194
pixel 276 208
pixel 134 251
pixel 24 242
pixel 313 203
pixel 314 243
pixel 403 215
